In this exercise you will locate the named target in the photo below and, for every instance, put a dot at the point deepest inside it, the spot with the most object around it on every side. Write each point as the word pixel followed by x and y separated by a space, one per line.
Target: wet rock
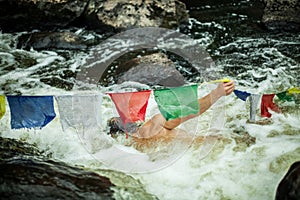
pixel 137 13
pixel 11 148
pixel 153 74
pixel 51 40
pixel 20 15
pixel 154 69
pixel 34 179
pixel 58 82
pixel 24 60
pixel 282 15
pixel 103 15
pixel 26 173
pixel 289 187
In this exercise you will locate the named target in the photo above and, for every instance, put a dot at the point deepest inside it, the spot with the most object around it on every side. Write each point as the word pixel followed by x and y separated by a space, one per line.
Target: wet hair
pixel 116 126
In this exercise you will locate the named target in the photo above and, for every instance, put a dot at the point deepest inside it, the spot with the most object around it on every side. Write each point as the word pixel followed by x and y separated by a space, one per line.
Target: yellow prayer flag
pixel 294 90
pixel 2 106
pixel 224 80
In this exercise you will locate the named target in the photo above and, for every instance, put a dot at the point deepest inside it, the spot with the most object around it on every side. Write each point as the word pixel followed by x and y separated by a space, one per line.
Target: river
pixel 241 160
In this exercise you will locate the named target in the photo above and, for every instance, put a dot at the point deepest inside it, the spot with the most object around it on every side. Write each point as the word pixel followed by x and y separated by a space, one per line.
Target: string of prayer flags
pixel 254 100
pixel 266 101
pixel 79 111
pixel 31 111
pixel 266 104
pixel 2 106
pixel 131 106
pixel 84 110
pixel 177 102
pixel 241 94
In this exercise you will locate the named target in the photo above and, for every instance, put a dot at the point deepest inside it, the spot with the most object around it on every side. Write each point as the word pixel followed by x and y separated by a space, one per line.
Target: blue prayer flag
pixel 31 111
pixel 241 95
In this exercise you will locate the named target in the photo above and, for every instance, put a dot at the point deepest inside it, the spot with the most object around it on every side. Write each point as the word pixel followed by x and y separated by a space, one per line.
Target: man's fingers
pixel 229 87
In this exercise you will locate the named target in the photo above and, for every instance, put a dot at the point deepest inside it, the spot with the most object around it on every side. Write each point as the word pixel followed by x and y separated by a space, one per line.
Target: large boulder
pixel 102 15
pixel 51 40
pixel 153 70
pixel 26 173
pixel 35 179
pixel 137 13
pixel 20 15
pixel 289 186
pixel 29 173
pixel 282 15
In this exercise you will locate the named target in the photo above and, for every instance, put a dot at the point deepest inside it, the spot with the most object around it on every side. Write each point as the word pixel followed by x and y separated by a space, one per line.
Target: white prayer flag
pixel 80 111
pixel 254 99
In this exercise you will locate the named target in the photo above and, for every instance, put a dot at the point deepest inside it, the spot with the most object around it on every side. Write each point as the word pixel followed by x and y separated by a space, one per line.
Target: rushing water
pixel 247 160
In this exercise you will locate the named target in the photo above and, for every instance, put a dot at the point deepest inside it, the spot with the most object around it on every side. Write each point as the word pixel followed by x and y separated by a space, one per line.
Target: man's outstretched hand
pixel 225 89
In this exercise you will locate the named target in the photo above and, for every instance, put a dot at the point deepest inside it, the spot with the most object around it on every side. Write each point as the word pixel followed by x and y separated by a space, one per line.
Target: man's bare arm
pixel 205 103
pixel 159 125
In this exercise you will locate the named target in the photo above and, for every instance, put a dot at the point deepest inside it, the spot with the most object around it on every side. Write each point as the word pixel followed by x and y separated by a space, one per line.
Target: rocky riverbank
pixel 106 16
pixel 28 172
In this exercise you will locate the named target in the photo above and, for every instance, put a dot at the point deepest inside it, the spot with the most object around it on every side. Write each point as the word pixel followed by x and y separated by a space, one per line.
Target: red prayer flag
pixel 267 103
pixel 131 106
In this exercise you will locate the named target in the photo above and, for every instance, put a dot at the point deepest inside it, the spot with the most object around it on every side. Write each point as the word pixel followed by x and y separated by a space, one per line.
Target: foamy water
pixel 239 160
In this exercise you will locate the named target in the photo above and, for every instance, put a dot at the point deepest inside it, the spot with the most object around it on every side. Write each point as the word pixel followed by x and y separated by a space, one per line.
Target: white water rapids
pixel 242 161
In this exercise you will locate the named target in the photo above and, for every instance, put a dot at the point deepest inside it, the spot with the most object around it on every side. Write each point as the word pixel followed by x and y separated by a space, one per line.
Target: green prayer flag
pixel 177 102
pixel 285 96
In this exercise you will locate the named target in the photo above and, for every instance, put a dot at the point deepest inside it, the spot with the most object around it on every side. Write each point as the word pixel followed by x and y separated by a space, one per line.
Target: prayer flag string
pixel 266 101
pixel 84 110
